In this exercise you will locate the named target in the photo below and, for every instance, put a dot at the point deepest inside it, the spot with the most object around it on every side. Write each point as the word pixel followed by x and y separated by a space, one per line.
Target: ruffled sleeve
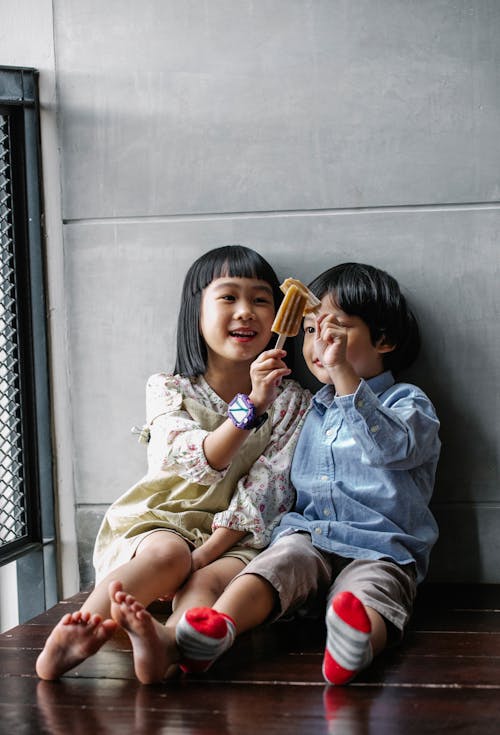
pixel 175 438
pixel 265 493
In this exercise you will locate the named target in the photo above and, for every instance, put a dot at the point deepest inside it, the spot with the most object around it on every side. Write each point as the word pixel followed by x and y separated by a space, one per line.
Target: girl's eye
pixel 309 330
pixel 262 300
pixel 227 297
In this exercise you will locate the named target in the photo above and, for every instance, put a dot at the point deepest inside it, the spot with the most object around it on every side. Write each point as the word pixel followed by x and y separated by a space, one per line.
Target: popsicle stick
pixel 280 341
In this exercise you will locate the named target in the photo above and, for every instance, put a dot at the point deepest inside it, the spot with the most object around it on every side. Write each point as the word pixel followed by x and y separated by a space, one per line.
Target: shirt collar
pixel 326 395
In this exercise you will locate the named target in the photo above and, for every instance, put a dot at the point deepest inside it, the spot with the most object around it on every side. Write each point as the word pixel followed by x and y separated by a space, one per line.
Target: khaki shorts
pixel 305 578
pixel 244 553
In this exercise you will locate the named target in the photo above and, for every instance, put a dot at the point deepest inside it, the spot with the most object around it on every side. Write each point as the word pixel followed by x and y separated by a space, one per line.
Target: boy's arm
pixel 397 431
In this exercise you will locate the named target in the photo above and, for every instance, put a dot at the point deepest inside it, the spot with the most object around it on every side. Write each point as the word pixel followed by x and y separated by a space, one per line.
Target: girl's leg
pixel 162 562
pixel 159 567
pixel 155 647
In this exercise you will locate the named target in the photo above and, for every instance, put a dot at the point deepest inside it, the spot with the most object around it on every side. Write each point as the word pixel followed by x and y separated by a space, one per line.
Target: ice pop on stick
pixel 299 300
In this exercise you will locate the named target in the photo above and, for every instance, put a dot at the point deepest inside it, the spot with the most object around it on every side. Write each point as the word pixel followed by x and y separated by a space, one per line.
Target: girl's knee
pixel 165 550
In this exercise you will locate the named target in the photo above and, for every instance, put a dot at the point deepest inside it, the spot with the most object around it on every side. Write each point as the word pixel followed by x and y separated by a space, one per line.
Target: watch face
pixel 241 411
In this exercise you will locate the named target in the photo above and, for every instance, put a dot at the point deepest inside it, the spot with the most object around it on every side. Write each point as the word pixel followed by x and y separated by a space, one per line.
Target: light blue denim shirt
pixel 364 469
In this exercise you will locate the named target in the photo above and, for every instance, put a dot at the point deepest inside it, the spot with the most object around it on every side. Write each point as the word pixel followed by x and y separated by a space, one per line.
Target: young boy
pixel 364 467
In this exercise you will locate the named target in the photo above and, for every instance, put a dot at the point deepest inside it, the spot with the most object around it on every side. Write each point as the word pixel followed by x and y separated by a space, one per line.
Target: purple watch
pixel 241 411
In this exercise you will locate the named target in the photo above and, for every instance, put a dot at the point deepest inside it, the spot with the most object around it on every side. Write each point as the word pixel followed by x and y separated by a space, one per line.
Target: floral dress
pixel 182 493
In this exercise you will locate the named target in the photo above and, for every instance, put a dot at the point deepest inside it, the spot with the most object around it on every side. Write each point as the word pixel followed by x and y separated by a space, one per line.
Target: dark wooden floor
pixel 444 678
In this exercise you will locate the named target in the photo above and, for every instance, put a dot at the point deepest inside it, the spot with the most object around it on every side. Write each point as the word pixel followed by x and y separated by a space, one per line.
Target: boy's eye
pixel 262 300
pixel 309 330
pixel 227 297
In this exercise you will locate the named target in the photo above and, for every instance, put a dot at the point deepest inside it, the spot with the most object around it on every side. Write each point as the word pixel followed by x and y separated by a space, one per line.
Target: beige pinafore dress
pixel 164 500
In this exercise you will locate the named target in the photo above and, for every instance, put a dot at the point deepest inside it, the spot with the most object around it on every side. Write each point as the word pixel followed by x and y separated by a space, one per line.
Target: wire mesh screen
pixel 13 516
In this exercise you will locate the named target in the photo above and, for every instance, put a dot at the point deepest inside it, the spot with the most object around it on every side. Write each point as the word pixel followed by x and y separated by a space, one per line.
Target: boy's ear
pixel 383 346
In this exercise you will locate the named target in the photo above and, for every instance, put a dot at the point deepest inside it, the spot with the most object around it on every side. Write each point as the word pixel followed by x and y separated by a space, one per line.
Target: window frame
pixel 34 554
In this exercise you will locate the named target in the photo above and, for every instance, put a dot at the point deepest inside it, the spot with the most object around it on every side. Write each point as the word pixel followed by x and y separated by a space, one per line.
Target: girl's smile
pixel 243 335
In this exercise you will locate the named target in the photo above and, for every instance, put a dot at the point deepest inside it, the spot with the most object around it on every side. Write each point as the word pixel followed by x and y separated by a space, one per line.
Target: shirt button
pixel 317 530
pixel 329 432
pixel 326 512
pixel 360 403
pixel 374 428
pixel 324 478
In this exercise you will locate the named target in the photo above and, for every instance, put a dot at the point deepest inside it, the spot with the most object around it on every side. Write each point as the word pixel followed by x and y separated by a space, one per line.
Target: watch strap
pixel 241 411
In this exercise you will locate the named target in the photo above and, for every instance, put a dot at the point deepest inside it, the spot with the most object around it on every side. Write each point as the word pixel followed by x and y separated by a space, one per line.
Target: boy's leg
pixel 203 633
pixel 205 586
pixel 284 576
pixel 348 643
pixel 366 596
pixel 198 595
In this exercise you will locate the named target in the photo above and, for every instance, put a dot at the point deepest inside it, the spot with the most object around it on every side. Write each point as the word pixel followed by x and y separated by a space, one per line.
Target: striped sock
pixel 348 648
pixel 203 635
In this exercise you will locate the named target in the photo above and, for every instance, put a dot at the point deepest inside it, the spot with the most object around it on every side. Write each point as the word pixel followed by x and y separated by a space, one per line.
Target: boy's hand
pixel 266 374
pixel 330 344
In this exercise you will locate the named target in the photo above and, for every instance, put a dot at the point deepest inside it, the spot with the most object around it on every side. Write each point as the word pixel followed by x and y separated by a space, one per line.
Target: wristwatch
pixel 241 411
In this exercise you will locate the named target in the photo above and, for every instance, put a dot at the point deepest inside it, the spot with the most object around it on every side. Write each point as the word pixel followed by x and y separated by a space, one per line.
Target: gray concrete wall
pixel 314 131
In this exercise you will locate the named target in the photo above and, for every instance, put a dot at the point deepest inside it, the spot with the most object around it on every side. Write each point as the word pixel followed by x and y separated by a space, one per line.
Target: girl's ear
pixel 383 346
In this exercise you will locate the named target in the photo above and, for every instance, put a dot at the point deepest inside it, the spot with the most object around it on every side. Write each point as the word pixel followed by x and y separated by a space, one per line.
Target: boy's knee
pixel 208 579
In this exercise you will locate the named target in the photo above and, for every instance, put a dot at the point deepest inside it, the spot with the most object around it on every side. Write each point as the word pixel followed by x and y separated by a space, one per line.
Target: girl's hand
pixel 199 559
pixel 266 374
pixel 330 344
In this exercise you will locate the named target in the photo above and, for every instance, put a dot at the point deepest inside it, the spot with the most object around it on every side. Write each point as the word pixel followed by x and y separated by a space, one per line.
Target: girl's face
pixel 236 318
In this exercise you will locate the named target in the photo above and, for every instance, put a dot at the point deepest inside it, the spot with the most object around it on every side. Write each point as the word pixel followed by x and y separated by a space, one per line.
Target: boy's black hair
pixel 374 296
pixel 234 261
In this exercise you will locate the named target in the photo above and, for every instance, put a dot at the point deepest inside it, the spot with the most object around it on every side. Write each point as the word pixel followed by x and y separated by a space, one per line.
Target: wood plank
pixel 444 678
pixel 86 706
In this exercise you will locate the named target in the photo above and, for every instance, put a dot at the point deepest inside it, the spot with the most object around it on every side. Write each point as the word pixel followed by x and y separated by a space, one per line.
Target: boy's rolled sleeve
pixel 387 432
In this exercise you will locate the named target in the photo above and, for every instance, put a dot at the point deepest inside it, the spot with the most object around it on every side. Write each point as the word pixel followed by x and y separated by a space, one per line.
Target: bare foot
pixel 76 636
pixel 154 647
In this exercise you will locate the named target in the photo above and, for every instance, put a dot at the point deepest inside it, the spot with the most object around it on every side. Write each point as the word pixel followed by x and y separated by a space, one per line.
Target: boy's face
pixel 365 358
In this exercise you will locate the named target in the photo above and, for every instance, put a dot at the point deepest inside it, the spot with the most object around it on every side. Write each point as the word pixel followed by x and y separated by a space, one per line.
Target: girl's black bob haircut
pixel 235 261
pixel 374 296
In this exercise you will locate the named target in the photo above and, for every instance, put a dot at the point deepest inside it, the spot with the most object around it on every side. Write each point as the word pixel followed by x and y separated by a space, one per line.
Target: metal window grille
pixel 13 519
pixel 27 532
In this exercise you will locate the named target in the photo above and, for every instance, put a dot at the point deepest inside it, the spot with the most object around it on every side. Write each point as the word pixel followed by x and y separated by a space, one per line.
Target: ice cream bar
pixel 297 302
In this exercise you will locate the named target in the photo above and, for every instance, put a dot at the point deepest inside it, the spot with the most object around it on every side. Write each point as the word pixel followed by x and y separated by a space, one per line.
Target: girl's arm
pixel 220 541
pixel 266 373
pixel 265 493
pixel 178 443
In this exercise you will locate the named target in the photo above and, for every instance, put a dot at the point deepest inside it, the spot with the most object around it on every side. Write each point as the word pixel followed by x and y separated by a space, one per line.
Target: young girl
pixel 218 464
